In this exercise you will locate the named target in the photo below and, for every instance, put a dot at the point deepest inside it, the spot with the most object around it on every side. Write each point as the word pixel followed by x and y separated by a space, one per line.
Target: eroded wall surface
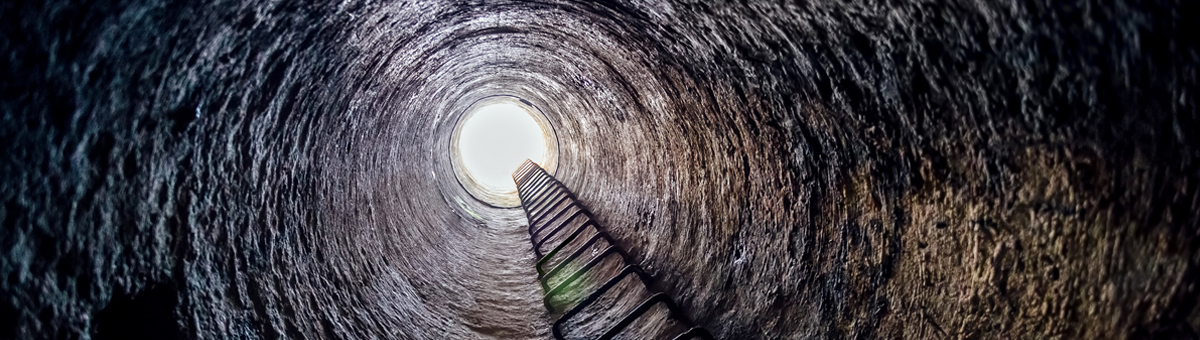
pixel 828 169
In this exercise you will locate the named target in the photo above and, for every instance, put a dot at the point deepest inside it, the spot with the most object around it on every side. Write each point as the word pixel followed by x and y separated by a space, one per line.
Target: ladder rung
pixel 545 203
pixel 571 258
pixel 629 269
pixel 639 311
pixel 546 200
pixel 538 246
pixel 611 250
pixel 578 212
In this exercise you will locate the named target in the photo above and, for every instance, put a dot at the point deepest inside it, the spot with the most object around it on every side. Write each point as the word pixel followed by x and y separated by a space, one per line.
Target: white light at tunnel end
pixel 492 139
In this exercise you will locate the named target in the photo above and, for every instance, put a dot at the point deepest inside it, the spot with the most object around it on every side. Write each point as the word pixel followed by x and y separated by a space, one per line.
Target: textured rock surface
pixel 856 169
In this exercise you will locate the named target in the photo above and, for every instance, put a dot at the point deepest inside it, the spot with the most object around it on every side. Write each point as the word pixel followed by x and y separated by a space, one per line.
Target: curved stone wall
pixel 826 169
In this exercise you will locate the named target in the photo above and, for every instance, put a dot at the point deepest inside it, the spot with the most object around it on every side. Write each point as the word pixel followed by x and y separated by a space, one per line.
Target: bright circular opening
pixel 492 140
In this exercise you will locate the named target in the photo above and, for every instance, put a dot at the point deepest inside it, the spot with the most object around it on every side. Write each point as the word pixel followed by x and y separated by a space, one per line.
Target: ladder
pixel 550 209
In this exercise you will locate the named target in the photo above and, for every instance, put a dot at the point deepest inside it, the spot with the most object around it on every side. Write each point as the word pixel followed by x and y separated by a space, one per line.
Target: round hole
pixel 492 139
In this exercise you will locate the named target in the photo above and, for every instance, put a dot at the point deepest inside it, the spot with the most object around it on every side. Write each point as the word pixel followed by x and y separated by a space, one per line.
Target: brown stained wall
pixel 869 169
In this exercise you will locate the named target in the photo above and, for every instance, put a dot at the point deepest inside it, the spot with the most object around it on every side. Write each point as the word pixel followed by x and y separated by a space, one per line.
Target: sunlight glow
pixel 495 140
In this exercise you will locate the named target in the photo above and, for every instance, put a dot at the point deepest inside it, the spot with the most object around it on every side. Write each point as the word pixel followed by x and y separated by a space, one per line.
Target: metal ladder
pixel 541 195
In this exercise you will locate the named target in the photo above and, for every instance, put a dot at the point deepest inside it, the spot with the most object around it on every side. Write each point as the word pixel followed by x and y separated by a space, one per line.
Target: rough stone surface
pixel 831 169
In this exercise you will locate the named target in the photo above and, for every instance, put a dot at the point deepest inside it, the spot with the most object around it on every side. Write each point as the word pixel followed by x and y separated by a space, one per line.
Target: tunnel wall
pixel 836 169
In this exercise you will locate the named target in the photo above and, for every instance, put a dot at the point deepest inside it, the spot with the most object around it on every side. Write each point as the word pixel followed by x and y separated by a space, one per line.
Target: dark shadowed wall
pixel 828 169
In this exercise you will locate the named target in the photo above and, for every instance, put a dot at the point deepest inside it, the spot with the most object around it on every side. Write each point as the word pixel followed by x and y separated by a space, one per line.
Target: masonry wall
pixel 925 169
